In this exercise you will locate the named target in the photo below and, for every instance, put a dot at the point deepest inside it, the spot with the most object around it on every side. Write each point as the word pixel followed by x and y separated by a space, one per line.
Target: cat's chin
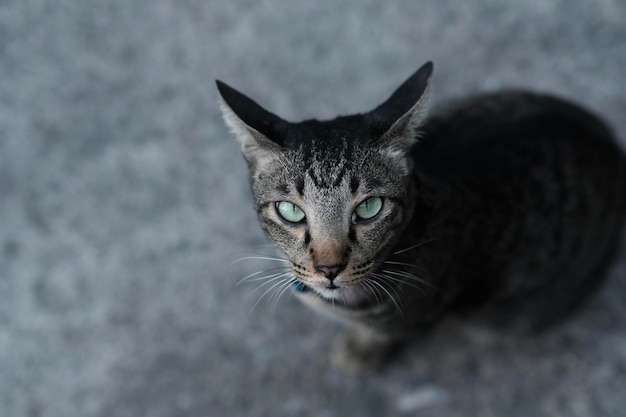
pixel 346 295
pixel 329 294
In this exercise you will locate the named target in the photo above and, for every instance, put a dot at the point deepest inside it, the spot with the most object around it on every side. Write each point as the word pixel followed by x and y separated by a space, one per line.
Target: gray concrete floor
pixel 123 201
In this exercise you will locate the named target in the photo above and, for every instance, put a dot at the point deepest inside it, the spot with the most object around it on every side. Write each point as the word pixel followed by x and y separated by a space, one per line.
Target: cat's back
pixel 533 154
pixel 540 187
pixel 532 142
pixel 483 131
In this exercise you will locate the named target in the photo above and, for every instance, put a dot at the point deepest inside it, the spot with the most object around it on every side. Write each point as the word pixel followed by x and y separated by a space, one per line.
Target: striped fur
pixel 510 204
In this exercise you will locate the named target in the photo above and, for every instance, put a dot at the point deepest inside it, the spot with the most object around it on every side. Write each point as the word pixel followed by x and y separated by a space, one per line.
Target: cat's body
pixel 510 204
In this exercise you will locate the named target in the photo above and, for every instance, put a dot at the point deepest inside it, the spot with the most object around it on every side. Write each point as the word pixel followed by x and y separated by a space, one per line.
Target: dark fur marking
pixel 282 188
pixel 374 183
pixel 300 185
pixel 339 178
pixel 307 238
pixel 354 184
pixel 363 265
pixel 260 207
pixel 352 234
pixel 325 182
pixel 316 181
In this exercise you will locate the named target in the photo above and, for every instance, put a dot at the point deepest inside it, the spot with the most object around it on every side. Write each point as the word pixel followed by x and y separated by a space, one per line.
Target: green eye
pixel 289 211
pixel 368 209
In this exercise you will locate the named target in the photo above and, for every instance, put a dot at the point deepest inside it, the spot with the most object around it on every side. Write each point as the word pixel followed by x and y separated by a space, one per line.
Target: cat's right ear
pixel 398 119
pixel 258 131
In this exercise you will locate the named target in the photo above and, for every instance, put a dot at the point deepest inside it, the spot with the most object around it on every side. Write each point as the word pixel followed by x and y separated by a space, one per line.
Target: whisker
pixel 410 276
pixel 286 285
pixel 392 286
pixel 270 280
pixel 403 264
pixel 398 280
pixel 368 287
pixel 345 302
pixel 393 300
pixel 263 258
pixel 414 246
pixel 266 292
pixel 269 277
pixel 375 289
pixel 247 278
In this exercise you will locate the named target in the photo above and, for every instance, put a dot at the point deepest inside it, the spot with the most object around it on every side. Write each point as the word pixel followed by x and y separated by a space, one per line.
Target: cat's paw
pixel 358 352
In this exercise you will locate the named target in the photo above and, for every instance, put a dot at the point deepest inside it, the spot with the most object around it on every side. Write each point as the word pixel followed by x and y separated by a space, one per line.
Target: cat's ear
pixel 258 131
pixel 397 121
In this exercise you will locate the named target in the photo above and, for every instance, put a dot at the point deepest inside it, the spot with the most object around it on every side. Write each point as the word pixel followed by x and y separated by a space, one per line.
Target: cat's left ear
pixel 258 131
pixel 397 121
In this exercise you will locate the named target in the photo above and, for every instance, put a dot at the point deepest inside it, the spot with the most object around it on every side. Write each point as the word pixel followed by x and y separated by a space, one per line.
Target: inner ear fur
pixel 258 131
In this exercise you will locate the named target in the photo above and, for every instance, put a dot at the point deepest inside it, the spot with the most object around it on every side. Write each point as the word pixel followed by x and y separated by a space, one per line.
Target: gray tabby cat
pixel 508 204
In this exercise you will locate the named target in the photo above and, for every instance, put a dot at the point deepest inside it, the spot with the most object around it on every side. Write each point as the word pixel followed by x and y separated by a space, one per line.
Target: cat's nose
pixel 330 271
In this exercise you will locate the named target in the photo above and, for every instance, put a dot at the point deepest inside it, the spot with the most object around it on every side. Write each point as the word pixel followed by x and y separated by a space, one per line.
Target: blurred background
pixel 123 202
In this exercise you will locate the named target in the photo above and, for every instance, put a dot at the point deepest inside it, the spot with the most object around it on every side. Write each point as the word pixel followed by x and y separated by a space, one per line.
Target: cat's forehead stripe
pixel 327 175
pixel 300 185
pixel 328 163
pixel 282 188
pixel 354 184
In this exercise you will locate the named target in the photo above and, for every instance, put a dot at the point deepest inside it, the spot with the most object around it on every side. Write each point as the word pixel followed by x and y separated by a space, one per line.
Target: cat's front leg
pixel 362 350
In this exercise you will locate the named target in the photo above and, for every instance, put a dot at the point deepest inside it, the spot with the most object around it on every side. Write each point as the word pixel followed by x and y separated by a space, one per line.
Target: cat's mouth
pixel 343 288
pixel 302 288
pixel 348 294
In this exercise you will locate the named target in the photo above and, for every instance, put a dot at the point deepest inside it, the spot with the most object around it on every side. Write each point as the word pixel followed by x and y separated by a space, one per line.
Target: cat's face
pixel 332 195
pixel 333 216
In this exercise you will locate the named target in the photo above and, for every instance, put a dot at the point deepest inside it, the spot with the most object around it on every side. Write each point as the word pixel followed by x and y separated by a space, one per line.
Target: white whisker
pixel 267 292
pixel 270 280
pixel 369 288
pixel 393 300
pixel 345 302
pixel 403 264
pixel 399 281
pixel 414 246
pixel 248 277
pixel 269 277
pixel 286 285
pixel 392 286
pixel 263 258
pixel 410 276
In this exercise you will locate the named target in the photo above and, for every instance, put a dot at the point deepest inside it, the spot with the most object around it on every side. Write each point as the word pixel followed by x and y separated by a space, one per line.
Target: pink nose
pixel 330 271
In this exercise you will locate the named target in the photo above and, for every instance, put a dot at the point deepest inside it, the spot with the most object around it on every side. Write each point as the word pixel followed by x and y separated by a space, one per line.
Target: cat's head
pixel 332 195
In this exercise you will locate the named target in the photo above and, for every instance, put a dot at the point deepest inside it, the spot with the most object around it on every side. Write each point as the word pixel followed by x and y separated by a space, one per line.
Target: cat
pixel 508 204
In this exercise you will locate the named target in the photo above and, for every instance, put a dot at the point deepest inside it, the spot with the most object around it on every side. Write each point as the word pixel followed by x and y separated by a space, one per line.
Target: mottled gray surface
pixel 123 202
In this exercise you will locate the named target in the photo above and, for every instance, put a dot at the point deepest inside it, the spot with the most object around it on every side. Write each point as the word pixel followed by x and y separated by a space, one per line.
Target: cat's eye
pixel 368 209
pixel 289 212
